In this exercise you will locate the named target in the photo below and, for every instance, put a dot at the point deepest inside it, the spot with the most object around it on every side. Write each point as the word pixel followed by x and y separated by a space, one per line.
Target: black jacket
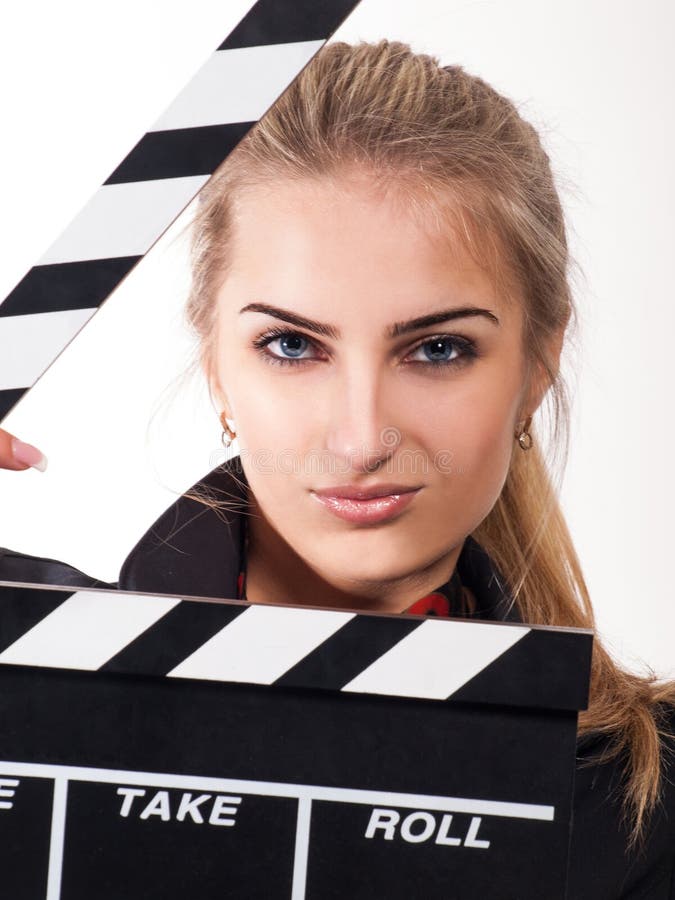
pixel 194 550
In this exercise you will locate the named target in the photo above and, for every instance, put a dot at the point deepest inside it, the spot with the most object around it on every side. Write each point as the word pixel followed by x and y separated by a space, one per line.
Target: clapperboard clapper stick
pixel 149 189
pixel 161 747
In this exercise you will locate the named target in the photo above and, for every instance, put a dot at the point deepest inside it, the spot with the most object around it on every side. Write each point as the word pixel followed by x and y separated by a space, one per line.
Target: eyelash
pixel 466 346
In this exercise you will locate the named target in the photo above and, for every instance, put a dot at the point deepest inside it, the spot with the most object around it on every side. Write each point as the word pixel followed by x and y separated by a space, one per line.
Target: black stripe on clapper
pixel 9 399
pixel 179 152
pixel 69 285
pixel 515 677
pixel 173 638
pixel 349 651
pixel 22 608
pixel 271 22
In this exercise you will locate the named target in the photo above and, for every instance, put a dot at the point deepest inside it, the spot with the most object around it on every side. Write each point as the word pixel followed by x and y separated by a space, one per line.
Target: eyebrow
pixel 393 331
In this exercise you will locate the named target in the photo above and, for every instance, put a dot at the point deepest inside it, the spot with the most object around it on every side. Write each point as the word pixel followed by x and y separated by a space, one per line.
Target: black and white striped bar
pixel 403 656
pixel 155 182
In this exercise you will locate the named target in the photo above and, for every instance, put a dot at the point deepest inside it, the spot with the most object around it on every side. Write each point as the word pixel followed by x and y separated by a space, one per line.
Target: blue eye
pixel 444 353
pixel 438 350
pixel 291 343
pixel 441 351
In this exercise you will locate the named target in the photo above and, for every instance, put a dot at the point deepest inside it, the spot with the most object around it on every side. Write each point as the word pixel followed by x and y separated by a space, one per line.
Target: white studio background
pixel 79 89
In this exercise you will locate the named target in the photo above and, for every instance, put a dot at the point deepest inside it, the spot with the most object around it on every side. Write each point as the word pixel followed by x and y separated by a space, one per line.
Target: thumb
pixel 15 454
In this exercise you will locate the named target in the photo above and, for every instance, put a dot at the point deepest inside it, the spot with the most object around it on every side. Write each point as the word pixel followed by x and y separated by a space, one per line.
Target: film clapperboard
pixel 160 747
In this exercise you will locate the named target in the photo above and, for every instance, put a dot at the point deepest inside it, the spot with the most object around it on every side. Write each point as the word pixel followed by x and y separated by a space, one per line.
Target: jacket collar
pixel 193 549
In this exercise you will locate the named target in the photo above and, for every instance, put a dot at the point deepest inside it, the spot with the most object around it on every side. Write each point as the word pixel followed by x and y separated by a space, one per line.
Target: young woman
pixel 380 292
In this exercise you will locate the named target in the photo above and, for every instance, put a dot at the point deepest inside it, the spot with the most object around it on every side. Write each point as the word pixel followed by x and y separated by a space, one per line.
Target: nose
pixel 362 435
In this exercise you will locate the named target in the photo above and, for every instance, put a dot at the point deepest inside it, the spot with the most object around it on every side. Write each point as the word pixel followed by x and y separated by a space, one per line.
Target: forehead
pixel 354 243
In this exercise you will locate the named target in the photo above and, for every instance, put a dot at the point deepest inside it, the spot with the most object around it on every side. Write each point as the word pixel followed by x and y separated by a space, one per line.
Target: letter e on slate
pixel 221 812
pixel 7 789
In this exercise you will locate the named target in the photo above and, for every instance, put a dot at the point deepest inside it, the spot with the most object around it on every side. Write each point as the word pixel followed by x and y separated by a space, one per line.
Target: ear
pixel 219 398
pixel 539 379
pixel 220 401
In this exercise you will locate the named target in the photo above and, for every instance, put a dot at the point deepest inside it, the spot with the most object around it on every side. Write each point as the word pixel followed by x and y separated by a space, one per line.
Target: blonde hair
pixel 451 144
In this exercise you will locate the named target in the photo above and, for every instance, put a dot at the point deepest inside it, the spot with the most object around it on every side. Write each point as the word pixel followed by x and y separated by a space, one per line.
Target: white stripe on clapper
pixel 261 644
pixel 237 85
pixel 436 659
pixel 30 343
pixel 86 630
pixel 57 837
pixel 123 219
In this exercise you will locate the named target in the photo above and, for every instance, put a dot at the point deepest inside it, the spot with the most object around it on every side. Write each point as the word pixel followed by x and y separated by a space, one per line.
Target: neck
pixel 275 573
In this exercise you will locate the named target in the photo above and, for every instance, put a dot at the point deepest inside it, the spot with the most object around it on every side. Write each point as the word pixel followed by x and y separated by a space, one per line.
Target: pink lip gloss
pixel 367 512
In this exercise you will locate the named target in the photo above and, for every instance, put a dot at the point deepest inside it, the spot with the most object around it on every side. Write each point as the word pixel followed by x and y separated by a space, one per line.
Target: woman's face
pixel 363 393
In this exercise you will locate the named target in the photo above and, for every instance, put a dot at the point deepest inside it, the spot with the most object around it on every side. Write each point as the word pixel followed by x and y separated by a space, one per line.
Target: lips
pixel 363 506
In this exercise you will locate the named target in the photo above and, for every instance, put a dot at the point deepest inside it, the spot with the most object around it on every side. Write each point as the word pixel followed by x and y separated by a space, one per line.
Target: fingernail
pixel 28 455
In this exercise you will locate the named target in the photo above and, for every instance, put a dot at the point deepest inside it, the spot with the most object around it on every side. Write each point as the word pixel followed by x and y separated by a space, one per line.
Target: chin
pixel 368 565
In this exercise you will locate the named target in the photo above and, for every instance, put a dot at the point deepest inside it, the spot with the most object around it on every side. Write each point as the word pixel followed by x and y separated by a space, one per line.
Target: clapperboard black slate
pixel 154 747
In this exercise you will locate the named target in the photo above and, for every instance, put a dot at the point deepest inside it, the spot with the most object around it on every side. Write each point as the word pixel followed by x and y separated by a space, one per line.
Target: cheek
pixel 266 423
pixel 265 409
pixel 475 456
pixel 483 449
pixel 486 449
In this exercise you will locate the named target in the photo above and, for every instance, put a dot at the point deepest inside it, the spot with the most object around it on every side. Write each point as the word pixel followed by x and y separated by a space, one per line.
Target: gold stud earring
pixel 523 435
pixel 228 434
